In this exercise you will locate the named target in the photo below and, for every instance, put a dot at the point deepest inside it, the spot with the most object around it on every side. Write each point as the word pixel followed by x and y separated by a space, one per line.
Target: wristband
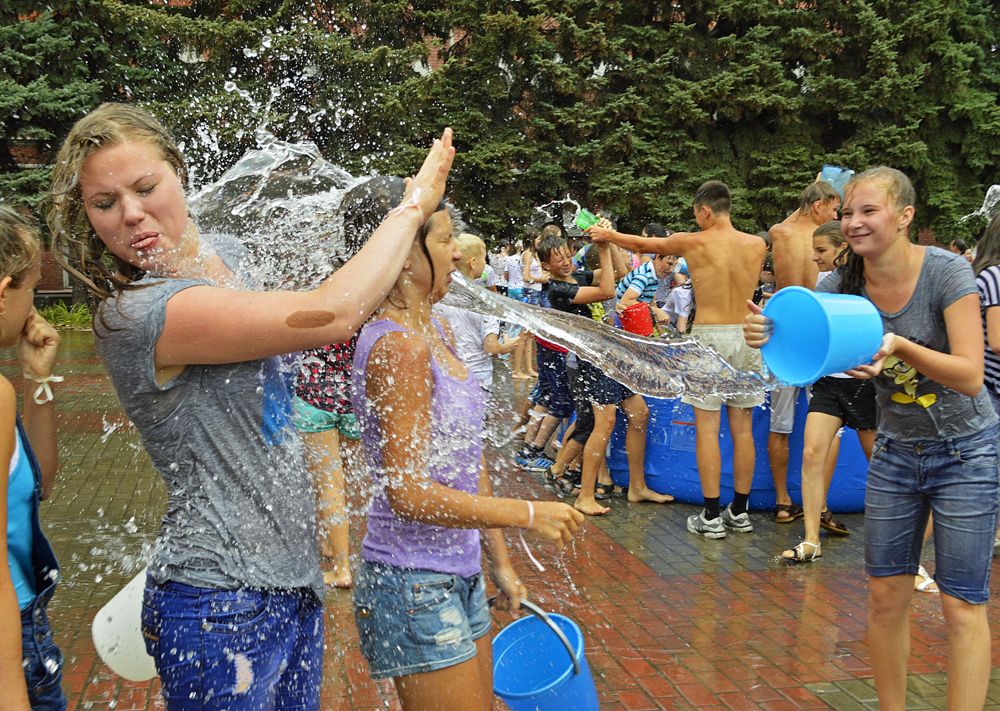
pixel 414 201
pixel 43 393
pixel 524 544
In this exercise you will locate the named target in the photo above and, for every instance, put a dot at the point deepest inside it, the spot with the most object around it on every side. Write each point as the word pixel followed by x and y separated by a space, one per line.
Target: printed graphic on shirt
pixel 908 379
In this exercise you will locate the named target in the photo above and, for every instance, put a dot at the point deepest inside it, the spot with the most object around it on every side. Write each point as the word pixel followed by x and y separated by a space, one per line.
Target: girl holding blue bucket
pixel 419 597
pixel 936 444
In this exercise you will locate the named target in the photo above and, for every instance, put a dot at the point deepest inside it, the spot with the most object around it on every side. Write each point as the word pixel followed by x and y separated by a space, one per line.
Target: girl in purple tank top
pixel 419 597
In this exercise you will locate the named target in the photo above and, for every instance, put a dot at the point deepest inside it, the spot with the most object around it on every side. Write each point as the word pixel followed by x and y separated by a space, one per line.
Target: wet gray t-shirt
pixel 240 509
pixel 912 407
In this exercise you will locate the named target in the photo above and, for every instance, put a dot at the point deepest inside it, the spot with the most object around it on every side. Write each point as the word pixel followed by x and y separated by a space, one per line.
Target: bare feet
pixel 521 376
pixel 646 494
pixel 590 507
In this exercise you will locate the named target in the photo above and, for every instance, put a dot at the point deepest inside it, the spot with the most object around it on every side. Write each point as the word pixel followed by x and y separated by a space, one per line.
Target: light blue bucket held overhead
pixel 837 176
pixel 818 334
pixel 539 665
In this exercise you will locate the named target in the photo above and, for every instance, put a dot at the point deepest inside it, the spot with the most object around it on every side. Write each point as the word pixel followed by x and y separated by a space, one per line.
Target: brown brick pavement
pixel 671 621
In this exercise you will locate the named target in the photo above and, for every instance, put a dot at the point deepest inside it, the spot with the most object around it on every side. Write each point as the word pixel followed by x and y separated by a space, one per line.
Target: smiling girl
pixel 232 613
pixel 936 444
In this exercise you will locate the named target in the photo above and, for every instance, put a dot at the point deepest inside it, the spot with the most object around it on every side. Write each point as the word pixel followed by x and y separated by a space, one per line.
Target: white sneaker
pixel 709 528
pixel 740 524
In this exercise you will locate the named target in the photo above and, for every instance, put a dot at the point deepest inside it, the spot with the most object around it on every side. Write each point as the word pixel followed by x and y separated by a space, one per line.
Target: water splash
pixel 658 367
pixel 991 205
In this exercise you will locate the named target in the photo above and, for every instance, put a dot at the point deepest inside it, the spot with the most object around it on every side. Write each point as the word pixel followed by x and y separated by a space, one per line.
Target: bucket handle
pixel 544 617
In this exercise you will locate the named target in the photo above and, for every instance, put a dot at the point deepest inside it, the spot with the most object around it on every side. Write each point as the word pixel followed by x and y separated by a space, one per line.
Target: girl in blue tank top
pixel 30 662
pixel 419 595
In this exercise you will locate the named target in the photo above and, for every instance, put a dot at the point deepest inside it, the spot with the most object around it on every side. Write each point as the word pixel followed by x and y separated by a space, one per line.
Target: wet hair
pixel 715 196
pixel 77 247
pixel 19 246
pixel 900 194
pixel 831 230
pixel 766 236
pixel 821 191
pixel 470 245
pixel 988 247
pixel 549 244
pixel 655 229
pixel 960 245
pixel 366 205
pixel 552 229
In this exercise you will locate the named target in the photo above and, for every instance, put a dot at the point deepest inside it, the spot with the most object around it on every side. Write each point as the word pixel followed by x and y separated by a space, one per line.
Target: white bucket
pixel 118 635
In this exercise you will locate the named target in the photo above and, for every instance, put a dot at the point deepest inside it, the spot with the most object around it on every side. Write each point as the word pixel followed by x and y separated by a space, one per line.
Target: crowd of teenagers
pixel 255 528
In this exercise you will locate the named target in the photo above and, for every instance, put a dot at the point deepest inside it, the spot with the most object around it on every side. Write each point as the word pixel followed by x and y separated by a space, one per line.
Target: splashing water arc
pixel 658 367
pixel 282 198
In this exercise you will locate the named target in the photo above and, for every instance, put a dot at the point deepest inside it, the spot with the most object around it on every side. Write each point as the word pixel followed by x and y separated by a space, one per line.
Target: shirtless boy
pixel 724 264
pixel 792 252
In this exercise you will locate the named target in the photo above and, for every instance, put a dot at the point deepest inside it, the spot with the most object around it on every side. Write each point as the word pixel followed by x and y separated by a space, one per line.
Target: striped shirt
pixel 988 282
pixel 642 280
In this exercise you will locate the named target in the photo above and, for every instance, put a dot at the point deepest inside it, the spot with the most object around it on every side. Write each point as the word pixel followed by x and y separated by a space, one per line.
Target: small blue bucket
pixel 818 334
pixel 837 176
pixel 539 665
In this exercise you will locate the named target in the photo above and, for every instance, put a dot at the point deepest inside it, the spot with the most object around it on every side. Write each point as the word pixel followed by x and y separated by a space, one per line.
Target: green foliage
pixel 627 106
pixel 76 317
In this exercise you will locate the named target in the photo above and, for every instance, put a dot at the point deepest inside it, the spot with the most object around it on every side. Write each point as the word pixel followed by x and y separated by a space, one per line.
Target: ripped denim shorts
pixel 413 621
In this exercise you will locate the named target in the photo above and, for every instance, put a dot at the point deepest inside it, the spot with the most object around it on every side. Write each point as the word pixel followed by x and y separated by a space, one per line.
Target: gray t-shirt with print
pixel 912 407
pixel 240 509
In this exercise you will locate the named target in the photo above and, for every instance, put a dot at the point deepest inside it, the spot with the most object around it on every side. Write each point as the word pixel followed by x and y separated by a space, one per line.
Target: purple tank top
pixel 457 409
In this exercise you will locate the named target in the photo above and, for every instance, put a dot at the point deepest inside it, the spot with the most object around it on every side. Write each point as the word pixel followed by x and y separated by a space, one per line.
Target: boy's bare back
pixel 792 249
pixel 725 267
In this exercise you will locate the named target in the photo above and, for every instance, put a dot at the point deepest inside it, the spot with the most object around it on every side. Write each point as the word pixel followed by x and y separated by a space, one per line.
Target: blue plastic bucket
pixel 836 176
pixel 539 665
pixel 819 334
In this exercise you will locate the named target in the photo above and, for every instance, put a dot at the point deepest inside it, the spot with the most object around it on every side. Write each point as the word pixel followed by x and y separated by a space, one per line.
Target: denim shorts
pixel 958 479
pixel 42 660
pixel 554 382
pixel 245 649
pixel 532 296
pixel 414 621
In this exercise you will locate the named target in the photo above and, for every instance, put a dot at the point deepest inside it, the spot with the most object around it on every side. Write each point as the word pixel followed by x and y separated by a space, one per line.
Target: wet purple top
pixel 457 408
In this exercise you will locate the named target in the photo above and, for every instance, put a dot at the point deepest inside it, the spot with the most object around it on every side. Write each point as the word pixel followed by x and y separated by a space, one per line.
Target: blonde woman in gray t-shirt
pixel 936 443
pixel 232 612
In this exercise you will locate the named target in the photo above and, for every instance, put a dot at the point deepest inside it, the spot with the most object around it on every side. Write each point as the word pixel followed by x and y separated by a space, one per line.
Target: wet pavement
pixel 671 621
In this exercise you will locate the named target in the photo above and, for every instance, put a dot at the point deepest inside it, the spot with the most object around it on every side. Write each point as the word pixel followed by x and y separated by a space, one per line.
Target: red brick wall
pixel 52 274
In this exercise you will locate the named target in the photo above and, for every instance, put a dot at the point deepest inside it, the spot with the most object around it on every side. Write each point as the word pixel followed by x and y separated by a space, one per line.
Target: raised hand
pixel 37 346
pixel 433 175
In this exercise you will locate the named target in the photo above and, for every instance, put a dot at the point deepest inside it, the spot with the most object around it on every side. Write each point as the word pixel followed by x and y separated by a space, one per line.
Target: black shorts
pixel 850 399
pixel 584 425
pixel 553 383
pixel 600 389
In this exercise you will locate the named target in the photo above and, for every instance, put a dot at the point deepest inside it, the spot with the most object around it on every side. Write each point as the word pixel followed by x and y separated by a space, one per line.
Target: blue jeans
pixel 413 621
pixel 42 659
pixel 959 480
pixel 244 649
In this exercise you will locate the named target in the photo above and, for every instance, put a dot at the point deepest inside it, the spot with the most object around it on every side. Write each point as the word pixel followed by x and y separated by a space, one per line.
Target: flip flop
pixel 793 512
pixel 799 554
pixel 926 582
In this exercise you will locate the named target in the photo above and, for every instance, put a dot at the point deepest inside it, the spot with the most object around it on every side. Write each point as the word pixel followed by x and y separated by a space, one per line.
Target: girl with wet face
pixel 936 439
pixel 419 595
pixel 232 612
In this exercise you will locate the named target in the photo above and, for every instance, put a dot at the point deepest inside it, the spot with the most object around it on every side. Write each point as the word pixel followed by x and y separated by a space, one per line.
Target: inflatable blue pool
pixel 671 467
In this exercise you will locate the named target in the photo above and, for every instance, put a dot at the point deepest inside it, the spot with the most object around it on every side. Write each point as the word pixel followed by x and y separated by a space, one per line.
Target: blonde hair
pixel 470 245
pixel 77 247
pixel 897 186
pixel 831 231
pixel 19 246
pixel 820 191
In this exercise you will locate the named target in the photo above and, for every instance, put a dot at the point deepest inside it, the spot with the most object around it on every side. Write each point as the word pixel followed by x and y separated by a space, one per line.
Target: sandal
pixel 923 582
pixel 799 554
pixel 792 512
pixel 832 525
pixel 566 484
pixel 603 491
